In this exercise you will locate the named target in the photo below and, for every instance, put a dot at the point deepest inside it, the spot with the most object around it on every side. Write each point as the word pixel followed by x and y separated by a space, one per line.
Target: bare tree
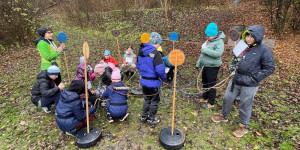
pixel 166 4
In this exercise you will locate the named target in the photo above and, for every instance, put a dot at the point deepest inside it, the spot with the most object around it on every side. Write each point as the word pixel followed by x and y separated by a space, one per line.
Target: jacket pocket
pixel 245 80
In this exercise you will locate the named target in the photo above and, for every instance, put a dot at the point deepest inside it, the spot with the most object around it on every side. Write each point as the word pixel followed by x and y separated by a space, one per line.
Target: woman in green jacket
pixel 210 59
pixel 48 50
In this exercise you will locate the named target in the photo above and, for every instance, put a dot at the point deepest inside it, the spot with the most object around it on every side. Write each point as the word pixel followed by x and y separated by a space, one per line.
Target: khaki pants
pixel 126 68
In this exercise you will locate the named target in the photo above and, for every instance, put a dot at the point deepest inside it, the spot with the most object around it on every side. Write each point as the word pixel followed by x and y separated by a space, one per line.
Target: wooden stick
pixel 174 96
pixel 96 101
pixel 174 45
pixel 122 88
pixel 66 62
pixel 86 98
pixel 120 58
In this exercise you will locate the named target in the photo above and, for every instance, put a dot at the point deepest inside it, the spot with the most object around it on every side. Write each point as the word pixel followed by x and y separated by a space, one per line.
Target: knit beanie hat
pixel 211 30
pixel 82 59
pixel 99 68
pixel 53 70
pixel 77 86
pixel 112 66
pixel 42 31
pixel 107 53
pixel 155 38
pixel 116 76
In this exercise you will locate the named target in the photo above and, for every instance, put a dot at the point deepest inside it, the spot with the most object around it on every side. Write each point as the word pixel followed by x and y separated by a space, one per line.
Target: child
pixel 45 91
pixel 129 60
pixel 210 58
pixel 80 72
pixel 256 64
pixel 117 104
pixel 99 70
pixel 152 70
pixel 71 116
pixel 80 75
pixel 108 58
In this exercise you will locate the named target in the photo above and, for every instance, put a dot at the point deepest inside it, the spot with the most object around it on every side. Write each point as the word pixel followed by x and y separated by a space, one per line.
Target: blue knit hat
pixel 53 70
pixel 211 29
pixel 155 38
pixel 107 52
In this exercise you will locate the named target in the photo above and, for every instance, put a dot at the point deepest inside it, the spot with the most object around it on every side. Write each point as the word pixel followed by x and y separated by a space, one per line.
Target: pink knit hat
pixel 116 76
pixel 99 68
pixel 112 66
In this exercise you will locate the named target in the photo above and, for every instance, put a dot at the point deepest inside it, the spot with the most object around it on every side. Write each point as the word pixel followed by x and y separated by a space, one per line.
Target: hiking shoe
pixel 144 120
pixel 127 114
pixel 241 131
pixel 110 120
pixel 207 106
pixel 46 109
pixel 69 133
pixel 153 122
pixel 201 100
pixel 219 118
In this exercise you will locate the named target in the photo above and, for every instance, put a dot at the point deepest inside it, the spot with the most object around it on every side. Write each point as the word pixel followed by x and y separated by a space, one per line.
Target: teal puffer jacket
pixel 211 55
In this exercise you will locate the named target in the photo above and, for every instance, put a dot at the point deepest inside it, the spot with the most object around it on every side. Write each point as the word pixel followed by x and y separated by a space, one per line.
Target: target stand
pixel 169 141
pixel 86 140
pixel 172 138
pixel 137 91
pixel 88 136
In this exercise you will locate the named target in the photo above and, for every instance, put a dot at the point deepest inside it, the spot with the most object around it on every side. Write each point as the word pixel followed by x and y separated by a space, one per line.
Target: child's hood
pixel 221 36
pixel 257 32
pixel 43 75
pixel 68 96
pixel 148 48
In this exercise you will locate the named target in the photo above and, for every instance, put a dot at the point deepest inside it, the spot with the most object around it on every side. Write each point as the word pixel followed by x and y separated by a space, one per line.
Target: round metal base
pixel 85 140
pixel 169 141
pixel 137 91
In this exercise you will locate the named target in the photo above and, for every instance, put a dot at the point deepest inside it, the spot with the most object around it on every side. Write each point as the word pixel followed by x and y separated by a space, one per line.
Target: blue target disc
pixel 62 37
pixel 173 36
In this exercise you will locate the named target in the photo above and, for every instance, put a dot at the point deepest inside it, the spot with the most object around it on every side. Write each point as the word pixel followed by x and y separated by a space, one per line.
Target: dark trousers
pixel 209 79
pixel 48 101
pixel 151 103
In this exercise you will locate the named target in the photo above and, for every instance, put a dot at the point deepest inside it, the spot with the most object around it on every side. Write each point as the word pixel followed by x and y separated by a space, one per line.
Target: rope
pixel 129 94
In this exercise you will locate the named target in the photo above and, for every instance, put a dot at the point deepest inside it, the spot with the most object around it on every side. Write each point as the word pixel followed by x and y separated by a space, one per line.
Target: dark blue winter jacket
pixel 70 109
pixel 117 103
pixel 257 62
pixel 150 65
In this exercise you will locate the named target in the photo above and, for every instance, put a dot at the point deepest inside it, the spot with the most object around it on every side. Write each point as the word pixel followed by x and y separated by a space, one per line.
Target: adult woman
pixel 48 50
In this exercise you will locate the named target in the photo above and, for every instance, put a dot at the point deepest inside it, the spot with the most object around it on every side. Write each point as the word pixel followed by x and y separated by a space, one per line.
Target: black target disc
pixel 234 35
pixel 137 91
pixel 85 140
pixel 116 33
pixel 169 141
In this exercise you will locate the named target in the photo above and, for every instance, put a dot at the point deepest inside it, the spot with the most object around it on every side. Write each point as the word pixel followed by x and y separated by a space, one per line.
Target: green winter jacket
pixel 211 56
pixel 48 55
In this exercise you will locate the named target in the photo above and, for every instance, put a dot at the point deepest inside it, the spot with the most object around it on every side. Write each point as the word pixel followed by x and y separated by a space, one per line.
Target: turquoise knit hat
pixel 211 29
pixel 53 70
pixel 107 52
pixel 155 38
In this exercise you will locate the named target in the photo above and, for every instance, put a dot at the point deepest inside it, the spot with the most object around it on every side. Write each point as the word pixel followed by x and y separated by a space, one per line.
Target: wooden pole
pixel 120 58
pixel 174 95
pixel 67 66
pixel 174 45
pixel 86 97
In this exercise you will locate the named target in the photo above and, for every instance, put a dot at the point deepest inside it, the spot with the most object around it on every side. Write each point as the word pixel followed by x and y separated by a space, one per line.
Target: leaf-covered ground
pixel 275 116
